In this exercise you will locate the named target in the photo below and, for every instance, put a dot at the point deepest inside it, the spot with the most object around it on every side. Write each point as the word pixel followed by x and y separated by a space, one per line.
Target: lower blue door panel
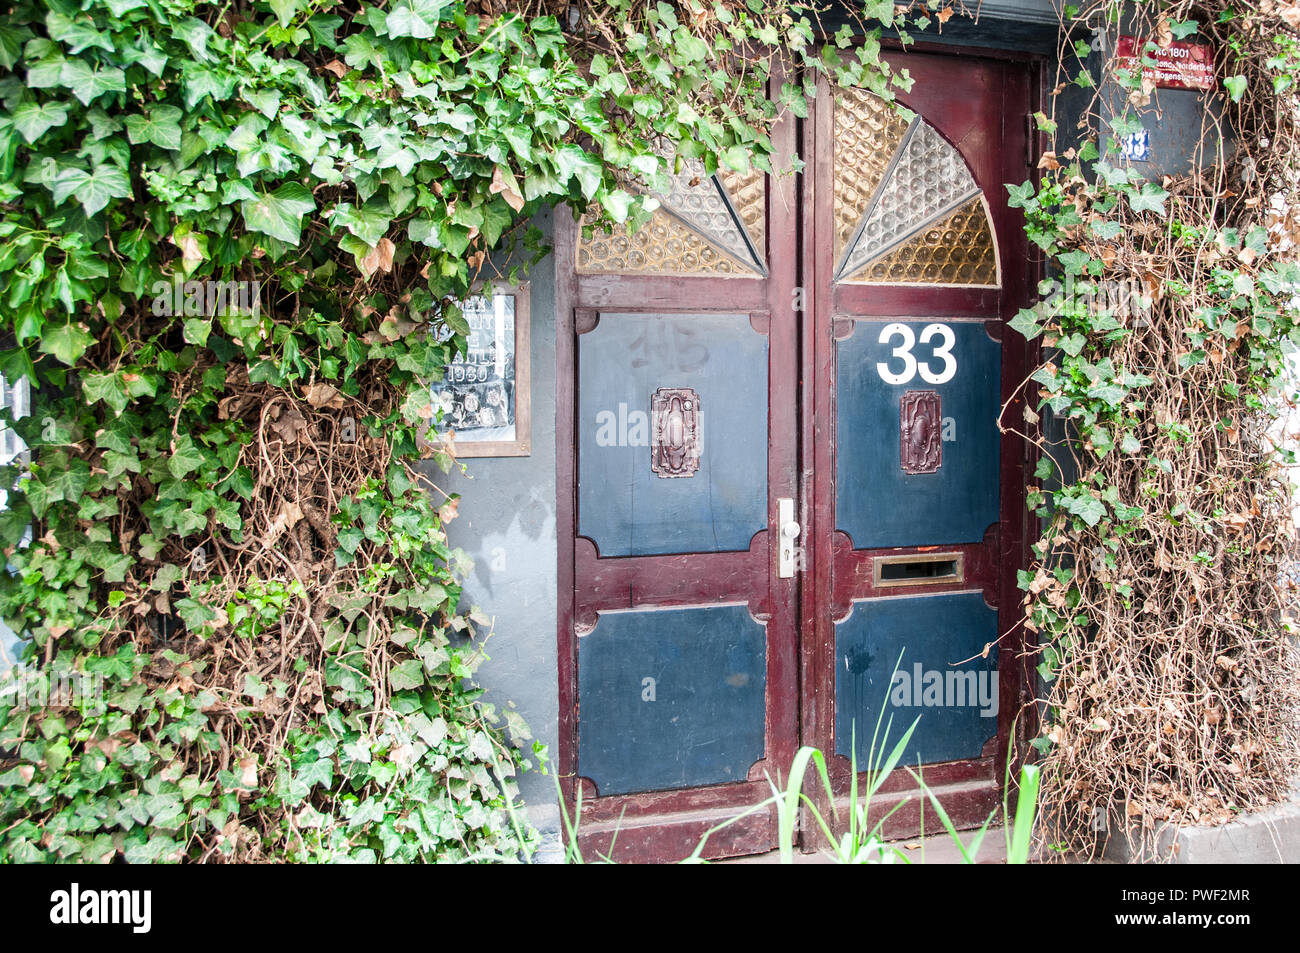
pixel 671 698
pixel 957 704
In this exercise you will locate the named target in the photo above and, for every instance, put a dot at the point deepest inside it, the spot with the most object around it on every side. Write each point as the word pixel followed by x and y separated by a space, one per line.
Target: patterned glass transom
pixel 705 225
pixel 907 209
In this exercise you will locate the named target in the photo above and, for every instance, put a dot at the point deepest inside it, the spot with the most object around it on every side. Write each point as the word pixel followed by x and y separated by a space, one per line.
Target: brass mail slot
pixel 917 569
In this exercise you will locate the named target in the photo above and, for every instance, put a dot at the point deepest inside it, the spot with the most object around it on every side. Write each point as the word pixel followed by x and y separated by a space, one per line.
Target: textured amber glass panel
pixel 699 201
pixel 867 134
pixel 707 225
pixel 748 194
pixel 929 179
pixel 664 246
pixel 956 250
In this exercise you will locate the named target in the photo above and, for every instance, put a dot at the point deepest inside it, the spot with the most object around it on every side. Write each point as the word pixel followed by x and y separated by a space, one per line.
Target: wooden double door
pixel 787 512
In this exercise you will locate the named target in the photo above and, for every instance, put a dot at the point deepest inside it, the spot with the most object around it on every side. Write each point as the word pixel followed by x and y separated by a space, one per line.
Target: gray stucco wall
pixel 506 525
pixel 8 648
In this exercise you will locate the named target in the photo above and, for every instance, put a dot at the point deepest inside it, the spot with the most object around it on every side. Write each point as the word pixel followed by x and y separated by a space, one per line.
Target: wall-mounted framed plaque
pixel 485 395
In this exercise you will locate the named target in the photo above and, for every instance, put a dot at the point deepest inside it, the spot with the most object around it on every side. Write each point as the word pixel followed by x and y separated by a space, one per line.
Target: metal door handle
pixel 789 533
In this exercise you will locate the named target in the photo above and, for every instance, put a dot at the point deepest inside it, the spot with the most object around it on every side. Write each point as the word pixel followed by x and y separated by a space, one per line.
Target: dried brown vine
pixel 1175 697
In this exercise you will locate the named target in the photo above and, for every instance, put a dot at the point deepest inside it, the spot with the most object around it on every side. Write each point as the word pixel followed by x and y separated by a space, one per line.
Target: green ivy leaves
pixel 160 125
pixel 33 120
pixel 66 342
pixel 93 189
pixel 1127 256
pixel 77 34
pixel 279 213
pixel 415 18
pixel 1150 198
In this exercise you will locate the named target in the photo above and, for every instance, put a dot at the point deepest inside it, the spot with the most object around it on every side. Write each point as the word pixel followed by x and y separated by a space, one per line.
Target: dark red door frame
pixel 835 574
pixel 668 825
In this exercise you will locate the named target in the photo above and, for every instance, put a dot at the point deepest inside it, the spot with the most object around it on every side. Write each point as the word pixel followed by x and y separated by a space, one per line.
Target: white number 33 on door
pixel 903 352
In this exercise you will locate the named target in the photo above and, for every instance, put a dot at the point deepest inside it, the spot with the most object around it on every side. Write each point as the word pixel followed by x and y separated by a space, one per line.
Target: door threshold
pixel 935 849
pixel 670 838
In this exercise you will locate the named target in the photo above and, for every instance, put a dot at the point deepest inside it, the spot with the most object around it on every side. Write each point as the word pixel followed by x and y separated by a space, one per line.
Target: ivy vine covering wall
pixel 234 235
pixel 1164 595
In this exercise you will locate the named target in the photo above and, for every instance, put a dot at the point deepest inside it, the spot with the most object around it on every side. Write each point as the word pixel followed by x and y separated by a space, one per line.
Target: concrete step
pixel 1270 836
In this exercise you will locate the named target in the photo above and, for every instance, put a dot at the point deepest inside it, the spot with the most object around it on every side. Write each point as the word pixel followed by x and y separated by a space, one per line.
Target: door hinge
pixel 1031 144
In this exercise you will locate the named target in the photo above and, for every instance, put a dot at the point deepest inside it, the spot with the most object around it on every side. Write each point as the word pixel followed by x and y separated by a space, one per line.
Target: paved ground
pixel 928 850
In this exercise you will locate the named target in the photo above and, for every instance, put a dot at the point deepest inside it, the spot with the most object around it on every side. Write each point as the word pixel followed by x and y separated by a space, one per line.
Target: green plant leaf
pixel 186 457
pixel 1150 199
pixel 406 675
pixel 89 84
pixel 279 213
pixel 161 126
pixel 196 331
pixel 285 10
pixel 66 342
pixel 76 34
pixel 1021 195
pixel 1026 323
pixel 1020 839
pixel 415 18
pixel 33 120
pixel 93 189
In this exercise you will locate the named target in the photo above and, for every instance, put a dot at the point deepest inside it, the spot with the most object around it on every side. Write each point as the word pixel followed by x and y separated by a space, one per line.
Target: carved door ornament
pixel 675 420
pixel 919 420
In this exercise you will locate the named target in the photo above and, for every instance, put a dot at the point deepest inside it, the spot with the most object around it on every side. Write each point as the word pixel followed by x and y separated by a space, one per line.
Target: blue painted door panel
pixel 623 505
pixel 877 503
pixel 957 704
pixel 671 698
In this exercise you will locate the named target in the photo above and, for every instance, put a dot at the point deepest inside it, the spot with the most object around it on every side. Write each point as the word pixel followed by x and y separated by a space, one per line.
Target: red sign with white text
pixel 1180 65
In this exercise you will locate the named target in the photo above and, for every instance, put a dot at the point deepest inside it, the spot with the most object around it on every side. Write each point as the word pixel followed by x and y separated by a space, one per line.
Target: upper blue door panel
pixel 917 436
pixel 672 433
